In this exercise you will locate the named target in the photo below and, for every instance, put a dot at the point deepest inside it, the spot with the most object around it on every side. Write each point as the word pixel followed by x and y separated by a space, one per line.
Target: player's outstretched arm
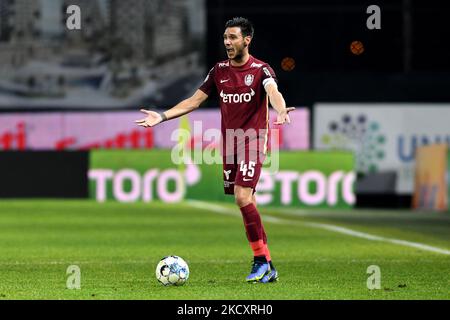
pixel 277 101
pixel 182 108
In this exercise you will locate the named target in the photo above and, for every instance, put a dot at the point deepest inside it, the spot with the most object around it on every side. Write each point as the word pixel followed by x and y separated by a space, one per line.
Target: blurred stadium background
pixel 370 130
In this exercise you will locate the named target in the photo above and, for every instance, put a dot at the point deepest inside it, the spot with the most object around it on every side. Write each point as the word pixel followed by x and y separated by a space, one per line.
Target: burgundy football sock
pixel 254 230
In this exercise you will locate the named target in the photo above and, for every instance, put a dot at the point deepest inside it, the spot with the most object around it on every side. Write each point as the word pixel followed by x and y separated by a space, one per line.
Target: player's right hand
pixel 152 119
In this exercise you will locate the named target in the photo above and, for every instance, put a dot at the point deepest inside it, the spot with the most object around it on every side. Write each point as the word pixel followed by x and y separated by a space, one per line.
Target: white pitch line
pixel 224 210
pixel 68 263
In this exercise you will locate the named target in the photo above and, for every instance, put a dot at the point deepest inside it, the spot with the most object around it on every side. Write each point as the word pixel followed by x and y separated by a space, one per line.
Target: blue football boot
pixel 259 270
pixel 272 276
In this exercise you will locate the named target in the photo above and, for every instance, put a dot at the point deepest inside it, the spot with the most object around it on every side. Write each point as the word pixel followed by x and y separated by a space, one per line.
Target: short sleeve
pixel 208 84
pixel 268 75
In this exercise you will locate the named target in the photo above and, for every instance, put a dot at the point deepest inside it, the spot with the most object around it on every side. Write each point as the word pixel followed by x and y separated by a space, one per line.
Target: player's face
pixel 235 43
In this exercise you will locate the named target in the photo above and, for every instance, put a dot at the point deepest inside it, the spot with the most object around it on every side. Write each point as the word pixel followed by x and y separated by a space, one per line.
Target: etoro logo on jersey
pixel 236 97
pixel 360 135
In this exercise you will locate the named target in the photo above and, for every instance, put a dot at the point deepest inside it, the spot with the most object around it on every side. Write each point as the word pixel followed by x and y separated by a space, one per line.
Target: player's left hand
pixel 283 116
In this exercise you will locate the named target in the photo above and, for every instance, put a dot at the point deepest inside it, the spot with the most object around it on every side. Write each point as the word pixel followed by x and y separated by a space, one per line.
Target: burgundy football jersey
pixel 243 99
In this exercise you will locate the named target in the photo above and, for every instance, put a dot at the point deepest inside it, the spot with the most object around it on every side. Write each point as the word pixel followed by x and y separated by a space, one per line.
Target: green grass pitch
pixel 117 247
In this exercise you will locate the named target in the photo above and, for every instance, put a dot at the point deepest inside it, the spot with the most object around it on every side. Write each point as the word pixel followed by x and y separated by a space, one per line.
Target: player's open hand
pixel 283 116
pixel 152 119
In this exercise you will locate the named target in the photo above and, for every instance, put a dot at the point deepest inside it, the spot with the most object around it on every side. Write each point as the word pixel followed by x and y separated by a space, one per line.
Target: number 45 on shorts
pixel 247 170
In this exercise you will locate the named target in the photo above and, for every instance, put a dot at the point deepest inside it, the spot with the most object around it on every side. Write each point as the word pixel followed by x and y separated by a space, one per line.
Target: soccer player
pixel 245 86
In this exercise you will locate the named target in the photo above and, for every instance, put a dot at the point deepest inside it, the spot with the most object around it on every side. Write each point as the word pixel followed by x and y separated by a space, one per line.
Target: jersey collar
pixel 249 61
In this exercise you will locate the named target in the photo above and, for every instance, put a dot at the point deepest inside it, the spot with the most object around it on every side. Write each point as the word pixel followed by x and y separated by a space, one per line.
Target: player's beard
pixel 238 57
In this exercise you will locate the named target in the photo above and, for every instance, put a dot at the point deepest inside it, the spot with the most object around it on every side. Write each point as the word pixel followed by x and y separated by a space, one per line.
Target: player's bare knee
pixel 242 199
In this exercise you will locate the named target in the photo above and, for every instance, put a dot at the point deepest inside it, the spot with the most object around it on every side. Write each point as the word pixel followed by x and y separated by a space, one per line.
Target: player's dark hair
pixel 243 23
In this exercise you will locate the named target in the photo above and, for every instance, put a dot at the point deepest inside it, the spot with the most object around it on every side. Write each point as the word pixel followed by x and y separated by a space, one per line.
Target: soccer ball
pixel 172 270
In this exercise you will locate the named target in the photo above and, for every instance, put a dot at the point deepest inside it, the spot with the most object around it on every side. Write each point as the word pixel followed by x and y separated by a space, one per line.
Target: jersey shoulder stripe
pixel 256 65
pixel 223 64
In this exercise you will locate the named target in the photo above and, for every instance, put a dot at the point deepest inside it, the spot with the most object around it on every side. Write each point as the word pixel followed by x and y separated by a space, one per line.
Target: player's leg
pixel 253 227
pixel 273 274
pixel 267 252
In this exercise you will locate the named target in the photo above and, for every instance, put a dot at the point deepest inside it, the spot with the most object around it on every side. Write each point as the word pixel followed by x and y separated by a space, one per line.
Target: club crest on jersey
pixel 249 79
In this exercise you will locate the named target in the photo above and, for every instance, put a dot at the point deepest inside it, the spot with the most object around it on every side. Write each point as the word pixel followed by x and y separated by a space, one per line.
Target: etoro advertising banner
pixel 303 179
pixel 383 137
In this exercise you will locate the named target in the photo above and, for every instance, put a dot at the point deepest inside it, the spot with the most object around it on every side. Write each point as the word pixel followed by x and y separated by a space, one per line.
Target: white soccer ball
pixel 172 270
